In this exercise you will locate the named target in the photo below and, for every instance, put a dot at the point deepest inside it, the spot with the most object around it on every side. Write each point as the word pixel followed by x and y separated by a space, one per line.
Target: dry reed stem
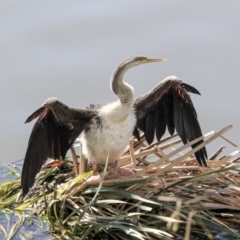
pixel 188 227
pixel 218 190
pixel 227 140
pixel 168 156
pixel 75 161
pixel 83 163
pixel 215 154
pixel 131 149
pixel 178 160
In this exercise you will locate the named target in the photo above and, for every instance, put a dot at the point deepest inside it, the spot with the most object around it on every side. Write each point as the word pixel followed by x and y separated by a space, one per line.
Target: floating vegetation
pixel 169 196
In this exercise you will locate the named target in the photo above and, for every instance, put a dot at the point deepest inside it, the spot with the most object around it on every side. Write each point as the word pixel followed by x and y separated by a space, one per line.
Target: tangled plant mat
pixel 169 196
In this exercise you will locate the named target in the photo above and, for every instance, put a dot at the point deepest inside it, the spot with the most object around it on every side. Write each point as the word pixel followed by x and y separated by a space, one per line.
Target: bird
pixel 105 130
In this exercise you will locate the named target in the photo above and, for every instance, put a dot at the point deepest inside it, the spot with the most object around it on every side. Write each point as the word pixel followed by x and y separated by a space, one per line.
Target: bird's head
pixel 137 60
pixel 130 62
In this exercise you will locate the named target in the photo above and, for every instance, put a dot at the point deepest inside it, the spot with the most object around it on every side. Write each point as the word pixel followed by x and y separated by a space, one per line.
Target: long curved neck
pixel 123 90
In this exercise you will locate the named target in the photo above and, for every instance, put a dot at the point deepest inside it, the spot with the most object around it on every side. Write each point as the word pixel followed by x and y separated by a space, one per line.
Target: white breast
pixel 112 137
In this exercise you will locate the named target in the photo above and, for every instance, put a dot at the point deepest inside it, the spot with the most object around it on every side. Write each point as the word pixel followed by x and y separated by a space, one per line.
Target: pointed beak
pixel 147 60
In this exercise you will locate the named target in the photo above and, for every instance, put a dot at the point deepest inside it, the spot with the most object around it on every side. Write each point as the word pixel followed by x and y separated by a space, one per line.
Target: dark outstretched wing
pixel 169 105
pixel 53 134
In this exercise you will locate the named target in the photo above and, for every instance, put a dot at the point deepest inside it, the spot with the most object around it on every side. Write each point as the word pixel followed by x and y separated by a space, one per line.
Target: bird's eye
pixel 141 59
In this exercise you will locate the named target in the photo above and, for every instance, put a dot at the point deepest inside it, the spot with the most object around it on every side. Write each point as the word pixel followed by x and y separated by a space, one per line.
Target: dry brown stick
pixel 234 173
pixel 75 163
pixel 215 154
pixel 230 179
pixel 178 160
pixel 236 159
pixel 83 163
pixel 220 158
pixel 131 149
pixel 188 225
pixel 175 168
pixel 137 144
pixel 160 154
pixel 161 141
pixel 227 140
pixel 160 161
pixel 153 150
pixel 170 144
pixel 218 206
pixel 141 154
pixel 225 159
pixel 220 162
pixel 142 160
pixel 205 196
pixel 80 186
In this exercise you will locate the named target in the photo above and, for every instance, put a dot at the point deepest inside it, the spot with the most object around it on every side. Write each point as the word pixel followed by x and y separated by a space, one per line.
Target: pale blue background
pixel 69 49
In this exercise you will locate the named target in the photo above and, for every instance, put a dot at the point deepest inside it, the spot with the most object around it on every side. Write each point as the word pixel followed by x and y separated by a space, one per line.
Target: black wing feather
pixel 53 134
pixel 168 105
pixel 178 119
pixel 190 88
pixel 160 122
pixel 150 127
pixel 172 107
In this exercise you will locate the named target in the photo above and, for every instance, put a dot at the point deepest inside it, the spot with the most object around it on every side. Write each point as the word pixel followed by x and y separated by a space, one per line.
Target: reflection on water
pixel 21 226
pixel 31 227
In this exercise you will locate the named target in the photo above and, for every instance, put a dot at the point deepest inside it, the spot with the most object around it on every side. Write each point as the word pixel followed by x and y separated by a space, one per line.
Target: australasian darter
pixel 106 129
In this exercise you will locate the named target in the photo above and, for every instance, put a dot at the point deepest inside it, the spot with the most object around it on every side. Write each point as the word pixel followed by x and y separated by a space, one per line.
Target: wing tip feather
pixel 34 115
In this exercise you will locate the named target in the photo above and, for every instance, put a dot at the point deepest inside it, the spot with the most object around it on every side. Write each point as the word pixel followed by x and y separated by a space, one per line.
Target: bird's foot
pixel 94 178
pixel 116 171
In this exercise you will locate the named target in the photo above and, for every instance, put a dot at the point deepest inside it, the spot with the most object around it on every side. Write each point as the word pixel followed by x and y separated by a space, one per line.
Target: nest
pixel 169 196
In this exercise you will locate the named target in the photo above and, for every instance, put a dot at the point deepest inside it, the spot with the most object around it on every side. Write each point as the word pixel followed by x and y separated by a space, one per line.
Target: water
pixel 32 228
pixel 29 226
